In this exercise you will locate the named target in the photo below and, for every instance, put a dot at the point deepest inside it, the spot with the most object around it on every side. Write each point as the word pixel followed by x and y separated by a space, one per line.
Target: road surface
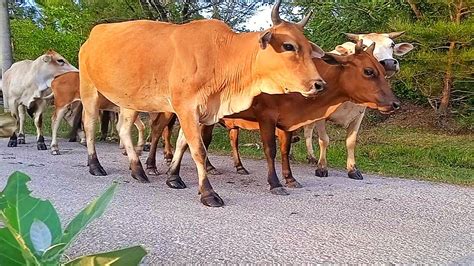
pixel 330 220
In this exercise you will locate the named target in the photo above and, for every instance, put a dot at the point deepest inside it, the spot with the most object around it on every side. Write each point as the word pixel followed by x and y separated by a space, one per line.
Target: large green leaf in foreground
pixel 33 222
pixel 125 257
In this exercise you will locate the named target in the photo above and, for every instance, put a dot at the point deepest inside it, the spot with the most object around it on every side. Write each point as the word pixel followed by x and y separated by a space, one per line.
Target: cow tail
pixel 76 124
pixel 5 97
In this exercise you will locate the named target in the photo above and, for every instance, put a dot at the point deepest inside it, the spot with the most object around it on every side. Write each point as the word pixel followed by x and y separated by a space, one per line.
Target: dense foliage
pixel 439 71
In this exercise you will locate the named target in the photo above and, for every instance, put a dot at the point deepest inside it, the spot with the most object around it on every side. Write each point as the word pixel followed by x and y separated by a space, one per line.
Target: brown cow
pixel 67 104
pixel 359 78
pixel 201 71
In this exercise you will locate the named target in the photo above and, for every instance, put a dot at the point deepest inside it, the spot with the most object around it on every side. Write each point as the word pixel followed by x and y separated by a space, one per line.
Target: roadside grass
pixel 385 149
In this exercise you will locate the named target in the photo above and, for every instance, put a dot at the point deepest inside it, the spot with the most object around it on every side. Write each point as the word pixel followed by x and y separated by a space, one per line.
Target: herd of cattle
pixel 203 73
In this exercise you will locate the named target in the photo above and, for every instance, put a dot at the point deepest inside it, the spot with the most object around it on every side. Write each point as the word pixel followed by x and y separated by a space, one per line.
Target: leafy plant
pixel 32 233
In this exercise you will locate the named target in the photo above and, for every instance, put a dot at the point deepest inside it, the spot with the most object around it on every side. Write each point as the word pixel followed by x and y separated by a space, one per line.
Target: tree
pixel 5 38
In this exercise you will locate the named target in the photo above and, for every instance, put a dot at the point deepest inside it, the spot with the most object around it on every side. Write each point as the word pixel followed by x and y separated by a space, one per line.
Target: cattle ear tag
pixel 316 52
pixel 265 38
pixel 47 58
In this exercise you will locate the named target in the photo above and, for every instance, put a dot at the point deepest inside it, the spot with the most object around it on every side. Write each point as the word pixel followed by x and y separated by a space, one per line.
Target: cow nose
pixel 320 85
pixel 396 105
pixel 389 64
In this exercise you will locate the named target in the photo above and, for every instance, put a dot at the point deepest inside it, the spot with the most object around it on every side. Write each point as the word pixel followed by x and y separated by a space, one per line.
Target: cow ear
pixel 316 52
pixel 47 58
pixel 335 59
pixel 371 48
pixel 342 50
pixel 265 38
pixel 359 47
pixel 402 48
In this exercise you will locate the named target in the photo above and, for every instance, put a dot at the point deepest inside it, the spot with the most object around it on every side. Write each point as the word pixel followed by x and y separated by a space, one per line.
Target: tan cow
pixel 349 114
pixel 201 71
pixel 67 105
pixel 26 87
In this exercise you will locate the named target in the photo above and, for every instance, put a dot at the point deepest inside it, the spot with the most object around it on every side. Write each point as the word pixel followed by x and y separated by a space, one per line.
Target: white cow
pixel 349 114
pixel 26 87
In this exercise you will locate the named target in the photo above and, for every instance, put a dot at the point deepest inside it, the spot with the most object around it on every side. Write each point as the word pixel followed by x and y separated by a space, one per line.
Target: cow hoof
pixel 12 143
pixel 175 181
pixel 140 175
pixel 279 191
pixel 152 171
pixel 21 141
pixel 355 174
pixel 83 143
pixel 97 170
pixel 41 146
pixel 55 152
pixel 124 152
pixel 294 184
pixel 212 200
pixel 312 160
pixel 146 147
pixel 242 171
pixel 213 171
pixel 321 172
pixel 168 161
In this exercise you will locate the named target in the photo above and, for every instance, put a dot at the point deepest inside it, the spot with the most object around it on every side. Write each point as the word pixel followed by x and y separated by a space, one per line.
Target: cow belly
pixel 142 103
pixel 346 113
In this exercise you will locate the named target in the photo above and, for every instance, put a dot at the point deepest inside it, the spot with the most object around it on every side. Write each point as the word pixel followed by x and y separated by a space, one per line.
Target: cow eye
pixel 61 62
pixel 289 47
pixel 392 45
pixel 369 72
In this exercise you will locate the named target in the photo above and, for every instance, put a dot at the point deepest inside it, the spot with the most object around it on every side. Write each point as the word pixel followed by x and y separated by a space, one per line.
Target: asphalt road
pixel 330 220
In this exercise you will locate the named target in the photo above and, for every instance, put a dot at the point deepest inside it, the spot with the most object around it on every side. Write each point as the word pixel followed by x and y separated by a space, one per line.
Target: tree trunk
pixel 448 82
pixel 5 38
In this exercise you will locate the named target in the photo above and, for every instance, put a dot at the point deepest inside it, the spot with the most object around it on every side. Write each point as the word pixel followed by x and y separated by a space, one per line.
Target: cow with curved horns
pixel 201 71
pixel 349 114
pixel 358 77
pixel 26 87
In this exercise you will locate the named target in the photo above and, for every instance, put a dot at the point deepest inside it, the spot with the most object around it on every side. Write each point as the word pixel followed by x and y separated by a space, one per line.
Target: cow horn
pixel 371 49
pixel 305 20
pixel 276 13
pixel 359 47
pixel 395 34
pixel 352 36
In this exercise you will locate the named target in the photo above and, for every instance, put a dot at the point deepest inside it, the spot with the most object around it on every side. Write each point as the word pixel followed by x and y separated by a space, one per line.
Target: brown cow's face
pixel 286 57
pixel 363 79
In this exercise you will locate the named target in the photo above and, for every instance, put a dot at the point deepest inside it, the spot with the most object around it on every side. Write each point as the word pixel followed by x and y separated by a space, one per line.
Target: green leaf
pixel 10 250
pixel 3 202
pixel 92 211
pixel 22 210
pixel 40 236
pixel 53 253
pixel 125 257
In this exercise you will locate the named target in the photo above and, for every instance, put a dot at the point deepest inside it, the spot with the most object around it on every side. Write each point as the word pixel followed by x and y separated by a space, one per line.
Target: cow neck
pixel 325 103
pixel 42 81
pixel 237 77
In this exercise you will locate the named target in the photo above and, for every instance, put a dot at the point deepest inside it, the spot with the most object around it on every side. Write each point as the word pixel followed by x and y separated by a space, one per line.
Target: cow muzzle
pixel 392 107
pixel 391 66
pixel 317 86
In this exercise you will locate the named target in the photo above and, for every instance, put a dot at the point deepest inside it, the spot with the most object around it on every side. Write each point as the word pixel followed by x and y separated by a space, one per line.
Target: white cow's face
pixel 53 65
pixel 385 48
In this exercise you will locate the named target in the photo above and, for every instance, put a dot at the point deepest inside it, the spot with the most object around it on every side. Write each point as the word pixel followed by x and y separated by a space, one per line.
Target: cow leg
pixel 38 117
pixel 322 166
pixel 55 121
pixel 141 135
pixel 351 140
pixel 104 125
pixel 234 143
pixel 90 97
pixel 284 138
pixel 21 120
pixel 267 133
pixel 206 131
pixel 127 118
pixel 168 149
pixel 190 125
pixel 159 122
pixel 308 136
pixel 174 179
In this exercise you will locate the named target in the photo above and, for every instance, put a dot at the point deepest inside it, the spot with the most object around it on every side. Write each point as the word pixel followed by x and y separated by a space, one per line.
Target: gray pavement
pixel 330 220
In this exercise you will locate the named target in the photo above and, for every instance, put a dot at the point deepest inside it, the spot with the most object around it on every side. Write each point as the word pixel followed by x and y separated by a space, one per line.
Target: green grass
pixel 388 150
